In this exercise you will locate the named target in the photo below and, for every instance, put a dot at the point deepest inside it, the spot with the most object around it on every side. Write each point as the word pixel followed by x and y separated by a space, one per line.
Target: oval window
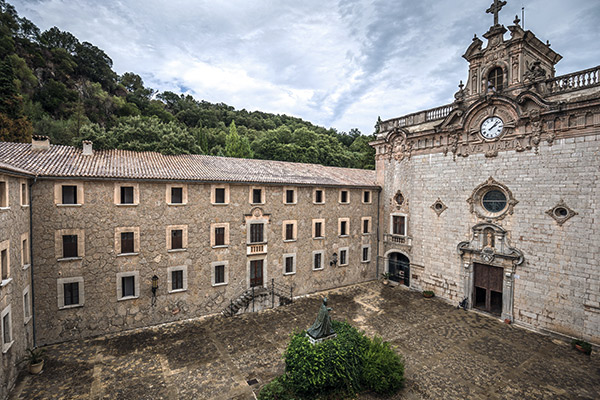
pixel 494 201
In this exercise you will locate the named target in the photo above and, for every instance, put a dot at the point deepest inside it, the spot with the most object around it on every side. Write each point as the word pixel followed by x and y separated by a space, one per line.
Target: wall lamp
pixel 154 289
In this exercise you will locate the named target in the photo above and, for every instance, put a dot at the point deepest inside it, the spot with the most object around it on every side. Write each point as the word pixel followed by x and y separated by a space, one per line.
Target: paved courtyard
pixel 449 353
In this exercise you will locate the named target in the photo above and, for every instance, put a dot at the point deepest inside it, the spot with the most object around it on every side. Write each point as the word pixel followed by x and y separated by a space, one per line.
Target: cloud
pixel 336 63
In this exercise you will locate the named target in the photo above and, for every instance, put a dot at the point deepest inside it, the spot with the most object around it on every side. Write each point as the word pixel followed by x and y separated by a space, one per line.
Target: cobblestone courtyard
pixel 449 353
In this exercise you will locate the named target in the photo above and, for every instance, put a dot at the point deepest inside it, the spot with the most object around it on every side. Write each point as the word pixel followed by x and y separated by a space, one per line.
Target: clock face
pixel 492 127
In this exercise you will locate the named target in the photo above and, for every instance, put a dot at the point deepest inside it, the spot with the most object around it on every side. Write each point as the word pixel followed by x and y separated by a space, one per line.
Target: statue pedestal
pixel 320 340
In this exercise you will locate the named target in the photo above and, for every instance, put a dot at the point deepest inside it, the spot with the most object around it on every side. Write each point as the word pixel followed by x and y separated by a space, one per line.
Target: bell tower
pixel 507 66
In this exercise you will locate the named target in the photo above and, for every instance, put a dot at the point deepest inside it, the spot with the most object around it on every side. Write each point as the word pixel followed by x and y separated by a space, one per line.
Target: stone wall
pixel 14 226
pixel 99 218
pixel 557 287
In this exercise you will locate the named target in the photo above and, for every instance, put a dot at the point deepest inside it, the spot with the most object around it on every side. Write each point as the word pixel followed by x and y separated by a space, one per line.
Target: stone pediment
pixel 490 242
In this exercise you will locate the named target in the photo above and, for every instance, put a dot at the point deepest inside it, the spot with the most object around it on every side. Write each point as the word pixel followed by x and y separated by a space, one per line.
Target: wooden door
pixel 488 288
pixel 256 273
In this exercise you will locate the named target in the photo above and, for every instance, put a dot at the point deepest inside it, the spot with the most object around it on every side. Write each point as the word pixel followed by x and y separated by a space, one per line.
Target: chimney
pixel 87 148
pixel 40 143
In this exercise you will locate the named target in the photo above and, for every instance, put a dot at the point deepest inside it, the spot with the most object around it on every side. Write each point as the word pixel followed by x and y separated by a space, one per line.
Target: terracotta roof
pixel 68 162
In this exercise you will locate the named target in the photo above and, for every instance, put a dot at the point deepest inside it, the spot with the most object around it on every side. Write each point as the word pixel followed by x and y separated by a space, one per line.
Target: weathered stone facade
pixel 15 286
pixel 517 133
pixel 96 220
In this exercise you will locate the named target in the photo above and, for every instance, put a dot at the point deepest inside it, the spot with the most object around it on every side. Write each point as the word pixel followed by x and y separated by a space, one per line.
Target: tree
pixel 236 146
pixel 14 126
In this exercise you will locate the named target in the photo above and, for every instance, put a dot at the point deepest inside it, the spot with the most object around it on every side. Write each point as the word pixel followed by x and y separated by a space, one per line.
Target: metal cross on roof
pixel 495 9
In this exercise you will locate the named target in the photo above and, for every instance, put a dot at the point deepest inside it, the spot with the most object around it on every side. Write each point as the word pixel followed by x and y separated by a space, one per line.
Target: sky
pixel 336 63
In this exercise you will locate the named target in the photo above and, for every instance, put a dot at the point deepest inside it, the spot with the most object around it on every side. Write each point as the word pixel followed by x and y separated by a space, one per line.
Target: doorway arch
pixel 398 266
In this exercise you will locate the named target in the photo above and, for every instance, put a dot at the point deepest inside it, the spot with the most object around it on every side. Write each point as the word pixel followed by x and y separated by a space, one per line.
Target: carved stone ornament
pixel 561 212
pixel 476 200
pixel 490 242
pixel 439 207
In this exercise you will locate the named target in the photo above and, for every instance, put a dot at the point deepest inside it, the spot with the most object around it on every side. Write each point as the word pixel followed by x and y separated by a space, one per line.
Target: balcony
pixel 403 240
pixel 256 248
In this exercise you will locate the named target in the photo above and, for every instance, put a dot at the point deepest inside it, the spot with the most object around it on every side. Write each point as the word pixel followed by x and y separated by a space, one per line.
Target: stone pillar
pixel 507 296
pixel 468 281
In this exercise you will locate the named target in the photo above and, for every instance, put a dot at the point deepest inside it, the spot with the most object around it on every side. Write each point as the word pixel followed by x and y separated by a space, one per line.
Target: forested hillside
pixel 52 84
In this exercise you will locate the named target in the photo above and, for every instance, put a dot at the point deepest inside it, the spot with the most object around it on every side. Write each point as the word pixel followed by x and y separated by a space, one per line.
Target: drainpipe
pixel 378 239
pixel 31 263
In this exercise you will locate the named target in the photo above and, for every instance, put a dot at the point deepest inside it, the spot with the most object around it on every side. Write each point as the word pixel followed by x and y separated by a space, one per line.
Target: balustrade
pixel 575 81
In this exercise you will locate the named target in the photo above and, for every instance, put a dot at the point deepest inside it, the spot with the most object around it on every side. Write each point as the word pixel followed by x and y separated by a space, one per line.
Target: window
pixel 319 196
pixel 219 194
pixel 3 194
pixel 366 253
pixel 176 239
pixel 343 256
pixel 177 279
pixel 289 264
pixel 220 236
pixel 127 242
pixel 318 229
pixel 128 286
pixel 344 197
pixel 256 195
pixel 4 262
pixel 289 230
pixel 24 194
pixel 399 225
pixel 257 233
pixel 343 225
pixel 26 305
pixel 69 194
pixel 127 195
pixel 495 79
pixel 71 293
pixel 25 249
pixel 219 273
pixel 69 246
pixel 366 222
pixel 176 195
pixel 290 196
pixel 367 197
pixel 7 339
pixel 318 259
pixel 494 201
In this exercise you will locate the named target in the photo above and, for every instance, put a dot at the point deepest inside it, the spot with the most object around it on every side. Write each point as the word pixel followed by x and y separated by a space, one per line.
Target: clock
pixel 491 128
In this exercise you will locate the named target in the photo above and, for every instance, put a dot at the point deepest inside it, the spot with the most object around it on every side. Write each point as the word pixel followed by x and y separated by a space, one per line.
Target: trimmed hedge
pixel 338 367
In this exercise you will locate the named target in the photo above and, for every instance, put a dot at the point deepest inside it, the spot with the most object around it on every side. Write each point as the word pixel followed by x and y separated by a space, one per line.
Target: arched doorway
pixel 399 267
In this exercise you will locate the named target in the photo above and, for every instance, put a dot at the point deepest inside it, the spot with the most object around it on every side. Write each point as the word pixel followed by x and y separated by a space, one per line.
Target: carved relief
pixel 561 212
pixel 487 203
pixel 488 242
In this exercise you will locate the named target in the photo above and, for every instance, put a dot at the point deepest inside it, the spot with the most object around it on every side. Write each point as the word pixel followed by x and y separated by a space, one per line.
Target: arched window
pixel 495 79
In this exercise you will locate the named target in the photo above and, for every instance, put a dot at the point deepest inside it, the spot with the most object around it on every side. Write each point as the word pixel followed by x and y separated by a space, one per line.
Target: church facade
pixel 492 201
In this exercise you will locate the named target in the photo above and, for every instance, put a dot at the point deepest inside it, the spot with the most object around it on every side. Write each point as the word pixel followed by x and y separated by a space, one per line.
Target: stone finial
pixel 40 143
pixel 88 148
pixel 517 20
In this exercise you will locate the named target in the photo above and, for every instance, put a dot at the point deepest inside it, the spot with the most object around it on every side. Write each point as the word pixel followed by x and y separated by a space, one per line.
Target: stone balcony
pixel 256 248
pixel 402 240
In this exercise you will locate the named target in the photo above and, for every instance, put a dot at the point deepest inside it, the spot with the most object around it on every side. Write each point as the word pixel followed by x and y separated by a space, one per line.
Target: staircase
pixel 283 293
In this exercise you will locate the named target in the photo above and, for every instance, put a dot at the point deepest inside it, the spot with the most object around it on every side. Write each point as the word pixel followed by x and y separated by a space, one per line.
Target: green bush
pixel 329 366
pixel 383 369
pixel 276 390
pixel 336 368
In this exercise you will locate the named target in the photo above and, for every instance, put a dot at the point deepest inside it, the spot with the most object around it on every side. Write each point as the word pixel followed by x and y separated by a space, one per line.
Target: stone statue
pixel 322 326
